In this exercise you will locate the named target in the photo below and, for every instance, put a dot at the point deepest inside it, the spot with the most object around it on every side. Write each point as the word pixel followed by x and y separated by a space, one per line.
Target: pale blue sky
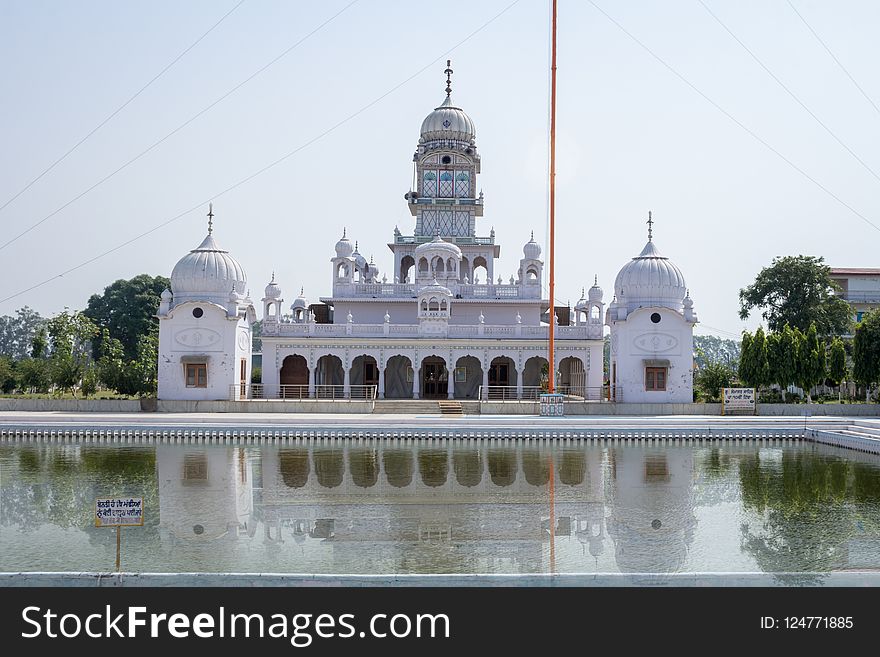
pixel 632 136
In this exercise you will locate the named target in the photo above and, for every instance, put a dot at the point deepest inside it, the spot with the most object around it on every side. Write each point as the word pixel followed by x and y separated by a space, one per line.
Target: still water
pixel 453 508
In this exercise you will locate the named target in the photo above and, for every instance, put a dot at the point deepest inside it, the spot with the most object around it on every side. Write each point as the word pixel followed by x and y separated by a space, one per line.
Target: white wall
pixel 636 339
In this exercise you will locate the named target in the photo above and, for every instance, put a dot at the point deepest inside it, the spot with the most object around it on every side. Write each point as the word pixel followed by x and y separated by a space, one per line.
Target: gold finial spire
pixel 448 72
pixel 210 218
pixel 650 223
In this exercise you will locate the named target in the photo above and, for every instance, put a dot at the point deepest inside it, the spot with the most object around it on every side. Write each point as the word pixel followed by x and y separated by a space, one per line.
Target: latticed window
pixel 196 375
pixel 429 184
pixel 462 184
pixel 655 378
pixel 445 184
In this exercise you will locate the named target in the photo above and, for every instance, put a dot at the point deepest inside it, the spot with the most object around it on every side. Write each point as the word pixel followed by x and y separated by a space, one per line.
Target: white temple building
pixel 440 326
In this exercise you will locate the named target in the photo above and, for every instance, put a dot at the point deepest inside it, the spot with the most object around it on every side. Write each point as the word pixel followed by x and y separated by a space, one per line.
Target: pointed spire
pixel 302 290
pixel 650 223
pixel 595 279
pixel 273 276
pixel 583 293
pixel 448 73
pixel 355 246
pixel 343 232
pixel 210 218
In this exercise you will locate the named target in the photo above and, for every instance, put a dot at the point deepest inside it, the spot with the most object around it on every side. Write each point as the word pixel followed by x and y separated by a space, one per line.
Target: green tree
pixel 837 363
pixel 7 374
pixel 39 343
pixel 712 377
pixel 127 310
pixel 746 369
pixel 866 352
pixel 810 361
pixel 712 349
pixel 129 376
pixel 754 370
pixel 34 374
pixel 71 335
pixel 17 333
pixel 798 291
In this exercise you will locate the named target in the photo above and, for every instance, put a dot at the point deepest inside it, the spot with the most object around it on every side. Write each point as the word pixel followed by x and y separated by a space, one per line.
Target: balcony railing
pixel 297 392
pixel 512 331
pixel 862 297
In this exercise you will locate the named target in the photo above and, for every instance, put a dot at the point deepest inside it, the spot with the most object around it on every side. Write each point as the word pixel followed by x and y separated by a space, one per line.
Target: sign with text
pixel 738 399
pixel 119 512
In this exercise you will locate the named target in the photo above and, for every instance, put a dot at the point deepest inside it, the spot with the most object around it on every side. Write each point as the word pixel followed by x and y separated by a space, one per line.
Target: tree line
pixel 111 344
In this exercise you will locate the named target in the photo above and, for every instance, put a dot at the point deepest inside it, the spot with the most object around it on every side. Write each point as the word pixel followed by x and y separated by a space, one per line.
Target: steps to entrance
pixel 450 407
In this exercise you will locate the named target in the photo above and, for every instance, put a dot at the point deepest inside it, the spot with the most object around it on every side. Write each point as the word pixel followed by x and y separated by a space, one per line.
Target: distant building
pixel 860 286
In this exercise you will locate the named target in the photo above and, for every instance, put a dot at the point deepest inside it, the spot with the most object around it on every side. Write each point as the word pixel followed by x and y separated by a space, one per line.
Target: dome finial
pixel 343 232
pixel 595 279
pixel 210 218
pixel 273 275
pixel 533 236
pixel 302 290
pixel 650 223
pixel 448 72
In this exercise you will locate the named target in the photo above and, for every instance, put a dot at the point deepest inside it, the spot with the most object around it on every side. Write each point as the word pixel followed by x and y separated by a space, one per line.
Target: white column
pixel 595 373
pixel 346 382
pixel 519 383
pixel 381 390
pixel 486 382
pixel 312 382
pixel 450 383
pixel 417 375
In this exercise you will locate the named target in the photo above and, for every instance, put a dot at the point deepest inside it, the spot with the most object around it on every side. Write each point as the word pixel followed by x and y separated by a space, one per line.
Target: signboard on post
pixel 119 512
pixel 552 405
pixel 738 399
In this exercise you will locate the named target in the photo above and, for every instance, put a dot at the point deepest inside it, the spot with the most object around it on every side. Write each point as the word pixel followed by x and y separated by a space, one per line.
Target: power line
pixel 735 120
pixel 177 129
pixel 120 108
pixel 836 61
pixel 281 159
pixel 790 92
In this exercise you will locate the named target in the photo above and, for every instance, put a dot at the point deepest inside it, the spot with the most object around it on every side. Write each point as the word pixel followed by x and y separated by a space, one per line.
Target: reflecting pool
pixel 444 507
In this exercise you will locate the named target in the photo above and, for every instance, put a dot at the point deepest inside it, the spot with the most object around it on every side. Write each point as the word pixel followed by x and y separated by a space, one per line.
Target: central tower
pixel 444 199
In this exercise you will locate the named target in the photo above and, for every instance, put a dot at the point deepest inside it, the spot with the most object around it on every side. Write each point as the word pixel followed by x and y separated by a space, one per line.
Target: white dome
pixel 650 279
pixel 273 290
pixel 299 302
pixel 582 302
pixel 344 249
pixel 448 122
pixel 359 261
pixel 437 247
pixel 532 250
pixel 435 289
pixel 207 273
pixel 373 269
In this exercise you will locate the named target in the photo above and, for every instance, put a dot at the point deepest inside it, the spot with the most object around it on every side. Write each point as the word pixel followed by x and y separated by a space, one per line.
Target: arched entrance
pixel 572 376
pixel 294 377
pixel 329 377
pixel 502 378
pixel 364 372
pixel 435 378
pixel 468 376
pixel 398 378
pixel 535 377
pixel 407 270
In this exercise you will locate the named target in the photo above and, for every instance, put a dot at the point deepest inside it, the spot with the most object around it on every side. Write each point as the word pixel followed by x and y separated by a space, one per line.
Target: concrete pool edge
pixel 581 580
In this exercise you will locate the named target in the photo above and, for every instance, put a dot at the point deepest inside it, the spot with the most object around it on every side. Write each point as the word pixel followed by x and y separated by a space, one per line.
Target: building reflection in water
pixel 440 507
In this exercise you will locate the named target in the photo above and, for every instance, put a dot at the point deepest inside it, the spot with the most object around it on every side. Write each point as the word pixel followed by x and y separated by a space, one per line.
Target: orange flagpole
pixel 551 384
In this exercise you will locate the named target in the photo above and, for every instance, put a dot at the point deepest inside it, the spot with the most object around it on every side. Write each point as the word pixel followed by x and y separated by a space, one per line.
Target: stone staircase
pixel 446 407
pixel 450 407
pixel 861 435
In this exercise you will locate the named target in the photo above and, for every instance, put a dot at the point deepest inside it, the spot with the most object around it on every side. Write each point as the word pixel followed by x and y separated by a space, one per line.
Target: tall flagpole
pixel 551 384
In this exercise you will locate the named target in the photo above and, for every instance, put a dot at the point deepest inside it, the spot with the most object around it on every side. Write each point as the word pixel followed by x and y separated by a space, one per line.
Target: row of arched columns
pixel 429 376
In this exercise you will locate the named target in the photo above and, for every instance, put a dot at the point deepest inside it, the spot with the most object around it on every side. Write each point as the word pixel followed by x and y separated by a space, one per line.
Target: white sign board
pixel 738 399
pixel 119 512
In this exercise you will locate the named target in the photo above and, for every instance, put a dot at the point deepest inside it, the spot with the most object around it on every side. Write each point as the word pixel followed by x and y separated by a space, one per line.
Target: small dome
pixel 207 273
pixel 596 293
pixel 373 269
pixel 344 248
pixel 435 289
pixel 582 302
pixel 300 302
pixel 532 250
pixel 437 246
pixel 359 261
pixel 273 290
pixel 448 122
pixel 650 279
pixel 166 295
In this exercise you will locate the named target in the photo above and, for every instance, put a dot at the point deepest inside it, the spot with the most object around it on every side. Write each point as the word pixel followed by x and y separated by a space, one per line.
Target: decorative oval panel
pixel 655 342
pixel 198 338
